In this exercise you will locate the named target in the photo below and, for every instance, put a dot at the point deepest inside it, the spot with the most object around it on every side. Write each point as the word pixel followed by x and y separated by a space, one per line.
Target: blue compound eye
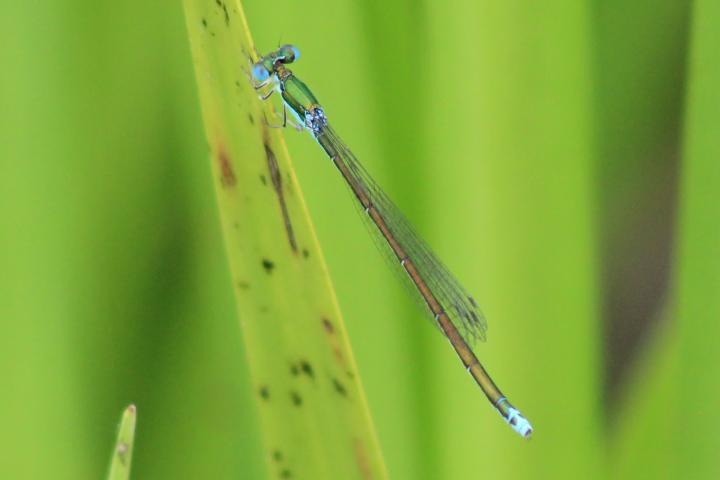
pixel 260 72
pixel 288 54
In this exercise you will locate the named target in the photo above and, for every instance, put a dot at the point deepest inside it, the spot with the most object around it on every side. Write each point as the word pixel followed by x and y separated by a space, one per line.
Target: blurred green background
pixel 560 156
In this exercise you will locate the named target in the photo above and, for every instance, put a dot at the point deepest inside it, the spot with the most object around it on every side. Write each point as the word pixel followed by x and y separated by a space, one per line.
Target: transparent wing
pixel 460 307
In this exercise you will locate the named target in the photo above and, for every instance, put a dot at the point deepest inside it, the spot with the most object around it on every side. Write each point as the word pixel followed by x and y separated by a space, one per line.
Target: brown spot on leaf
pixel 361 459
pixel 327 325
pixel 334 342
pixel 338 355
pixel 276 179
pixel 227 175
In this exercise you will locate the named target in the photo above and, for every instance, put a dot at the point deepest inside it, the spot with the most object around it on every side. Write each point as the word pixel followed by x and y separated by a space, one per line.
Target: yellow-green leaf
pixel 311 405
pixel 122 456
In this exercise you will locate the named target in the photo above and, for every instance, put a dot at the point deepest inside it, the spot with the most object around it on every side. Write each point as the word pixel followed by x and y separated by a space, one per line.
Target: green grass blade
pixel 312 408
pixel 699 260
pixel 122 456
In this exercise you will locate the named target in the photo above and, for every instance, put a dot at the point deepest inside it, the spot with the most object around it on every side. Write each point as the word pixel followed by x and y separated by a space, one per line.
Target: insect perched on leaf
pixel 443 297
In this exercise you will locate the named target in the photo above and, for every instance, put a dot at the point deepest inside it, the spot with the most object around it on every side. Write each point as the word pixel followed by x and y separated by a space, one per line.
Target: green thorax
pixel 295 93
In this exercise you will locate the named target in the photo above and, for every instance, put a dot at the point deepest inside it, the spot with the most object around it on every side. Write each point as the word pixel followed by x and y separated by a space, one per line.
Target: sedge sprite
pixel 442 296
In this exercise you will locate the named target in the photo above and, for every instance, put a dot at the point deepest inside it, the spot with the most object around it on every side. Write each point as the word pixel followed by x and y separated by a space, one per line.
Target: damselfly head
pixel 272 62
pixel 288 54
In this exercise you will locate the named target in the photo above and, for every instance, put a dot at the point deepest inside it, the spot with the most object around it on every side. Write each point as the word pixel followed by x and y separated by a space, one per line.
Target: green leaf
pixel 311 405
pixel 698 280
pixel 122 456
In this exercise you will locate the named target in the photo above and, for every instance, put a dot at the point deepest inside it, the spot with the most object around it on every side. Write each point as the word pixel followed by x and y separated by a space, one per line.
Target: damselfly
pixel 449 305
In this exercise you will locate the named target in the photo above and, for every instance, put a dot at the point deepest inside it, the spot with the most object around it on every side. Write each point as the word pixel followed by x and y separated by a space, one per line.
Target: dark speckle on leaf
pixel 222 5
pixel 339 387
pixel 243 285
pixel 250 117
pixel 204 22
pixel 277 456
pixel 294 370
pixel 268 265
pixel 305 253
pixel 296 398
pixel 264 393
pixel 327 325
pixel 263 179
pixel 286 474
pixel 307 369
